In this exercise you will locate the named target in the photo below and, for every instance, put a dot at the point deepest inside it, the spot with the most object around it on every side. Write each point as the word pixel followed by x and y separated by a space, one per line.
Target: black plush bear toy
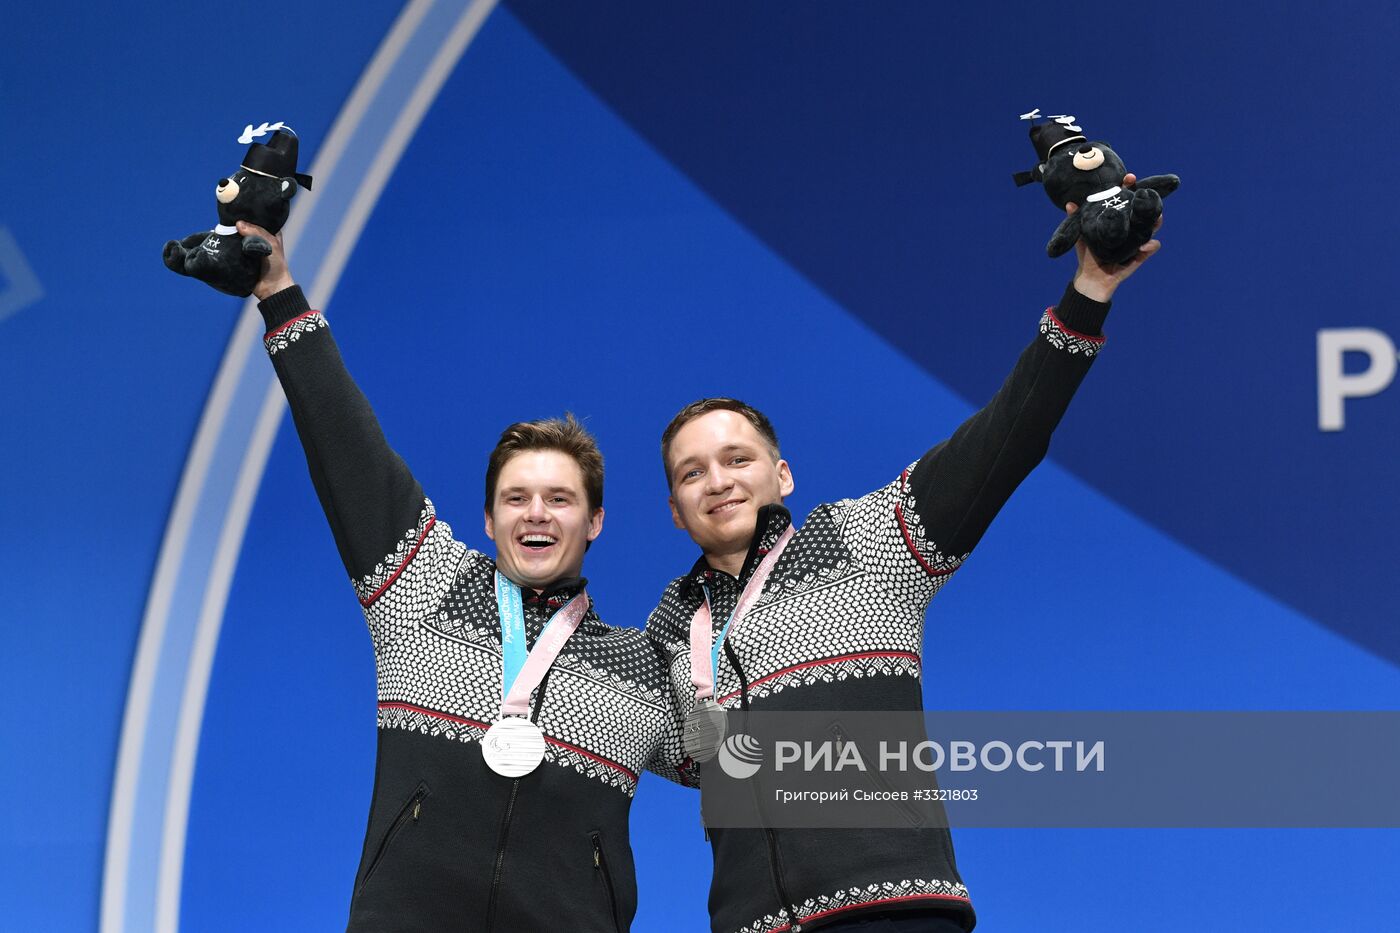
pixel 1113 222
pixel 260 192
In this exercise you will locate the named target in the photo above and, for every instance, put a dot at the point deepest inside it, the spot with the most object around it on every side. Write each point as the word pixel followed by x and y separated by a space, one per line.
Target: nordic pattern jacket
pixel 839 626
pixel 451 845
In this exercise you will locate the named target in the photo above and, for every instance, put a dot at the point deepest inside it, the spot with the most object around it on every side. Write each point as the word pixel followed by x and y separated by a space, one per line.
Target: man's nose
pixel 717 479
pixel 535 511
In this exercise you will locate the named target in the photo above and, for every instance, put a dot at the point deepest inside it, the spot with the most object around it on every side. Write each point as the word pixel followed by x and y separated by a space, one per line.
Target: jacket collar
pixel 539 607
pixel 772 521
pixel 555 595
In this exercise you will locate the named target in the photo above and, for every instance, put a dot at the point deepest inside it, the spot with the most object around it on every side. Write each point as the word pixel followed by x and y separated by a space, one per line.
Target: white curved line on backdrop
pixel 235 436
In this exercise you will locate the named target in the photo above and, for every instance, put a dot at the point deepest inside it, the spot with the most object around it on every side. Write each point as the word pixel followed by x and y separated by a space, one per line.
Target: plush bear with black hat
pixel 260 192
pixel 1112 221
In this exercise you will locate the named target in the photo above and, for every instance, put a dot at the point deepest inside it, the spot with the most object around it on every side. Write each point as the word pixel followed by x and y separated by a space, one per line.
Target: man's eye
pixel 740 459
pixel 559 500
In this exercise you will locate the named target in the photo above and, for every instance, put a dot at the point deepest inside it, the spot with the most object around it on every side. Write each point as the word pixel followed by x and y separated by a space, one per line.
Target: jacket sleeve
pixel 668 758
pixel 399 557
pixel 919 529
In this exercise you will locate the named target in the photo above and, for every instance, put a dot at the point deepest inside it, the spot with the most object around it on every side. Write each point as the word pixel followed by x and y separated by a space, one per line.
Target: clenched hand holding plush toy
pixel 1112 221
pixel 260 192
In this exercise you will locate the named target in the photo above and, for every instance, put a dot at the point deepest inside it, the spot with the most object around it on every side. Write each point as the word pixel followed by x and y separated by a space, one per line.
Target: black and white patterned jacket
pixel 450 844
pixel 839 626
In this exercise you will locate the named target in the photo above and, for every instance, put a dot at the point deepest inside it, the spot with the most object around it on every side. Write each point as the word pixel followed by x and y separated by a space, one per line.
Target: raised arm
pixel 958 486
pixel 381 520
pixel 940 507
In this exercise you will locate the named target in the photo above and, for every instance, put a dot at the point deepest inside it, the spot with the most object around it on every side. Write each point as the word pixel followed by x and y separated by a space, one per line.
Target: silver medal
pixel 513 747
pixel 704 730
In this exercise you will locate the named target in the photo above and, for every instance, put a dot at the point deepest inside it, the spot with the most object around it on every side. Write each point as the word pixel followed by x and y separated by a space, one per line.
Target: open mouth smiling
pixel 726 507
pixel 538 542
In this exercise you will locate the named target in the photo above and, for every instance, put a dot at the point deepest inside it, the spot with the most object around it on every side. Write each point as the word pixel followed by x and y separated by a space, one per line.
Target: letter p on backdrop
pixel 1334 385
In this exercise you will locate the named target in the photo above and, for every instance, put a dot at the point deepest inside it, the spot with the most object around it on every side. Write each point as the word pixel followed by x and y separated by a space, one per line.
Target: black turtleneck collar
pixel 772 521
pixel 556 594
pixel 540 607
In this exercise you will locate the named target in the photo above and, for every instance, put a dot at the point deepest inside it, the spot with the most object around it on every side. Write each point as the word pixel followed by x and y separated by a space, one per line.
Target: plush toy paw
pixel 1162 184
pixel 1108 232
pixel 1146 204
pixel 256 246
pixel 175 252
pixel 1146 209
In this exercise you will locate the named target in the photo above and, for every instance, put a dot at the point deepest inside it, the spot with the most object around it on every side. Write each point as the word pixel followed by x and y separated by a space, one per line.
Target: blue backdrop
pixel 537 206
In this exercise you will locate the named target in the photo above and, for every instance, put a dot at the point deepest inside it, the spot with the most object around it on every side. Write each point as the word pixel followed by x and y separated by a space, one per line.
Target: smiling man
pixel 540 507
pixel 831 616
pixel 513 723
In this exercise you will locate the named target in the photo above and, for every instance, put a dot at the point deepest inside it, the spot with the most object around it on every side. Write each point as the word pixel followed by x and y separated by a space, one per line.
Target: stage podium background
pixel 617 210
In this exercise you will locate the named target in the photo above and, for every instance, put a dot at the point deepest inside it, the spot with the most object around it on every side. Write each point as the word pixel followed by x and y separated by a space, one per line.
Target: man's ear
pixel 675 515
pixel 785 482
pixel 490 525
pixel 595 523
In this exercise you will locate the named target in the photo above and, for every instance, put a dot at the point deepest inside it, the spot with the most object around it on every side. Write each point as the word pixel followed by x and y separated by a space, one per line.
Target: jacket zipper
pixel 601 864
pixel 505 823
pixel 410 810
pixel 774 860
pixel 501 855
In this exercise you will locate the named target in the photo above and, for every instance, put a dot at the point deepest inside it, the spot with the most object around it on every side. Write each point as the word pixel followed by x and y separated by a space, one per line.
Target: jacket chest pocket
pixel 408 816
pixel 600 867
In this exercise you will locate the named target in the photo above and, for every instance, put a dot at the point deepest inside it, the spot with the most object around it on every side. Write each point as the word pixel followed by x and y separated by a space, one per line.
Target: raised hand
pixel 1099 281
pixel 275 275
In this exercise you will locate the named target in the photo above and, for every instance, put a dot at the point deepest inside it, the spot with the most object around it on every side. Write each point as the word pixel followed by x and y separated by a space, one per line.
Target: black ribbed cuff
pixel 280 307
pixel 1079 314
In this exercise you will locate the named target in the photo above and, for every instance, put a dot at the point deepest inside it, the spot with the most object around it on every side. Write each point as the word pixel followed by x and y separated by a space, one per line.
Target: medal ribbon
pixel 702 643
pixel 523 673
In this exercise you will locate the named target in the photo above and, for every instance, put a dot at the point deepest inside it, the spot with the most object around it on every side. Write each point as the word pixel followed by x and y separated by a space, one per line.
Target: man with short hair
pixel 513 723
pixel 830 617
